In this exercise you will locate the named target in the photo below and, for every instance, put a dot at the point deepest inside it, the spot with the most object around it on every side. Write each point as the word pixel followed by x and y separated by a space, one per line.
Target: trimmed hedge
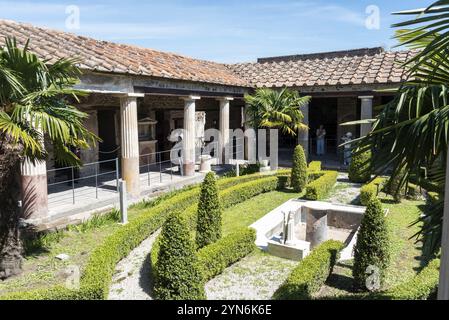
pixel 314 166
pixel 179 275
pixel 215 258
pixel 373 245
pixel 97 276
pixel 311 273
pixel 320 188
pixel 209 213
pixel 359 169
pixel 421 287
pixel 299 171
pixel 369 191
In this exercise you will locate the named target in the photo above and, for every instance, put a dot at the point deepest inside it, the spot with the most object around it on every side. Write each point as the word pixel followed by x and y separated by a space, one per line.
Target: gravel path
pixel 345 192
pixel 132 280
pixel 255 277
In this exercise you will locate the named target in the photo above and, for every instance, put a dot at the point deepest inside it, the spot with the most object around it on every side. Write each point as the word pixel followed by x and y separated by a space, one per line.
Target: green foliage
pixel 215 258
pixel 320 188
pixel 208 227
pixel 244 170
pixel 299 171
pixel 314 166
pixel 359 169
pixel 42 241
pixel 311 273
pixel 369 191
pixel 178 272
pixel 421 287
pixel 270 108
pixel 373 245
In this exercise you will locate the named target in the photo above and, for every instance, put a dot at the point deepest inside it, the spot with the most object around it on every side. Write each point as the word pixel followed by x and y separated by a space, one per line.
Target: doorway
pixel 108 148
pixel 323 111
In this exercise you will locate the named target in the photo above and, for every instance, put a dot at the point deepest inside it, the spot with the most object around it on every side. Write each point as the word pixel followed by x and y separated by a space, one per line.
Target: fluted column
pixel 303 136
pixel 366 113
pixel 225 105
pixel 130 143
pixel 189 135
pixel 34 189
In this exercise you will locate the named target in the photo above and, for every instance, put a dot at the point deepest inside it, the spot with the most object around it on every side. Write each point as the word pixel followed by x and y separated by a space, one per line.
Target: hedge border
pixel 320 188
pixel 97 275
pixel 369 190
pixel 311 273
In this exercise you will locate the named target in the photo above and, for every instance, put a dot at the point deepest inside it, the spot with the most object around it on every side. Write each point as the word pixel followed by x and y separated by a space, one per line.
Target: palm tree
pixel 411 134
pixel 34 104
pixel 277 109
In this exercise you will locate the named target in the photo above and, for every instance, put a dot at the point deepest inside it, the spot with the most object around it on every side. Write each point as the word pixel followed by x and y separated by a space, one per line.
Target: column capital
pixel 190 98
pixel 225 99
pixel 366 97
pixel 125 95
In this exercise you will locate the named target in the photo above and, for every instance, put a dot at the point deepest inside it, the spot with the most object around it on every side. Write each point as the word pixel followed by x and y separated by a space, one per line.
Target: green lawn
pixel 405 253
pixel 248 212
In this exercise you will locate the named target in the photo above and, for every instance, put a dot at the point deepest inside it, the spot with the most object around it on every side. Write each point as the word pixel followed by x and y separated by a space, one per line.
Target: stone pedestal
pixel 205 166
pixel 317 228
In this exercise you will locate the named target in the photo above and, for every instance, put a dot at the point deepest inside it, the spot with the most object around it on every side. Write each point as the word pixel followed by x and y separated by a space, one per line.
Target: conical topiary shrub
pixel 359 169
pixel 372 251
pixel 177 271
pixel 299 171
pixel 208 227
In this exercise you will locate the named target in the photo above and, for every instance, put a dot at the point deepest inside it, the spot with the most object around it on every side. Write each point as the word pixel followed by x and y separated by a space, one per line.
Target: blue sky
pixel 222 30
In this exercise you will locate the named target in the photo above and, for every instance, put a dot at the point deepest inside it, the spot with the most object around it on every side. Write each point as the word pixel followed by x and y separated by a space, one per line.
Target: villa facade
pixel 137 96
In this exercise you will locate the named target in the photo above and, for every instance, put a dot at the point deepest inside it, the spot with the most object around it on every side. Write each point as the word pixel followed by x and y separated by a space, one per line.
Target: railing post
pixel 123 202
pixel 96 180
pixel 148 169
pixel 160 168
pixel 117 174
pixel 73 185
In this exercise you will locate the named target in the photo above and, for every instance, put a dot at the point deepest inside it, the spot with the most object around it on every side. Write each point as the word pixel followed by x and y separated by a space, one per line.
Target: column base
pixel 189 169
pixel 131 174
pixel 34 197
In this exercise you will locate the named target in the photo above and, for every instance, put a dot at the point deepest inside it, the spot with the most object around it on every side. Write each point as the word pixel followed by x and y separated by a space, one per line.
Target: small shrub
pixel 314 167
pixel 421 287
pixel 395 186
pixel 208 227
pixel 299 171
pixel 320 188
pixel 215 258
pixel 178 272
pixel 373 246
pixel 369 191
pixel 359 169
pixel 311 273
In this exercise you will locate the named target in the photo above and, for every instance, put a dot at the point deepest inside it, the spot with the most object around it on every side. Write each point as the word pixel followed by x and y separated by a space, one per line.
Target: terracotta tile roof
pixel 117 58
pixel 361 66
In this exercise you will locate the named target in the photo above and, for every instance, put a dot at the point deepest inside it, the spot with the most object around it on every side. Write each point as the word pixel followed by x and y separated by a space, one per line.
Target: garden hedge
pixel 299 171
pixel 314 166
pixel 97 275
pixel 215 258
pixel 311 273
pixel 359 169
pixel 369 191
pixel 421 287
pixel 320 188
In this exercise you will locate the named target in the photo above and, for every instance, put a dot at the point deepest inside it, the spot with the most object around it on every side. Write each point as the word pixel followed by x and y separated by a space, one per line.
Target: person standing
pixel 321 138
pixel 348 148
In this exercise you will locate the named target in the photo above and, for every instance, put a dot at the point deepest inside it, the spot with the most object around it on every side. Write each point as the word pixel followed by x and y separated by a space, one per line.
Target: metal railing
pixel 69 183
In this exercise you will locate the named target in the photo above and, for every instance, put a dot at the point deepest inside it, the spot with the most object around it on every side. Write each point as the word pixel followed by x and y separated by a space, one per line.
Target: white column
pixel 34 189
pixel 366 113
pixel 225 104
pixel 130 143
pixel 303 136
pixel 189 135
